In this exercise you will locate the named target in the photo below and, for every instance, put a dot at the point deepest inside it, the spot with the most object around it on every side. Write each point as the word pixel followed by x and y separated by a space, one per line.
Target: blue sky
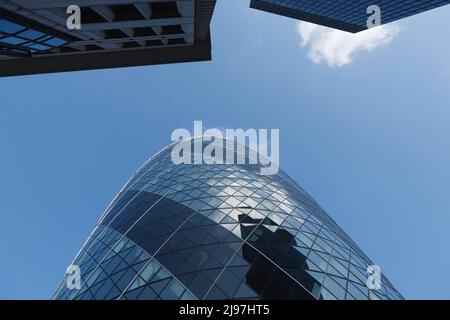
pixel 368 140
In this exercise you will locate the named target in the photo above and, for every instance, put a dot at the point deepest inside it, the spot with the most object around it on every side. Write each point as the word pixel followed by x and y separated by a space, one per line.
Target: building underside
pixel 34 37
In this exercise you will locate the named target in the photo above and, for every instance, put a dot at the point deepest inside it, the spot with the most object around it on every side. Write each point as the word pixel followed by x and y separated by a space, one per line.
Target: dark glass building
pixel 218 231
pixel 34 37
pixel 347 15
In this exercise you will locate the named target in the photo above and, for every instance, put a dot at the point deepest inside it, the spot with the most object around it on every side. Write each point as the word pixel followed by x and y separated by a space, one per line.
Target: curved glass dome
pixel 217 231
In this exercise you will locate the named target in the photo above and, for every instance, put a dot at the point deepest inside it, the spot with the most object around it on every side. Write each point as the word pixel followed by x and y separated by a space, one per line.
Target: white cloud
pixel 338 48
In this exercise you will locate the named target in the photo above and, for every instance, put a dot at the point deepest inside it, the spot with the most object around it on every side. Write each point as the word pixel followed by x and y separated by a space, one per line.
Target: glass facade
pixel 17 40
pixel 218 231
pixel 347 15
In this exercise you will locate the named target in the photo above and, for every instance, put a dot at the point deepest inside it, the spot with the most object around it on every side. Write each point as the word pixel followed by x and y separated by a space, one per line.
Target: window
pixel 16 39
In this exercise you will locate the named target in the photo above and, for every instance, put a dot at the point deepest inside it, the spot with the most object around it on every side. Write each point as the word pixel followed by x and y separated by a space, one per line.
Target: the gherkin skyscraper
pixel 218 231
